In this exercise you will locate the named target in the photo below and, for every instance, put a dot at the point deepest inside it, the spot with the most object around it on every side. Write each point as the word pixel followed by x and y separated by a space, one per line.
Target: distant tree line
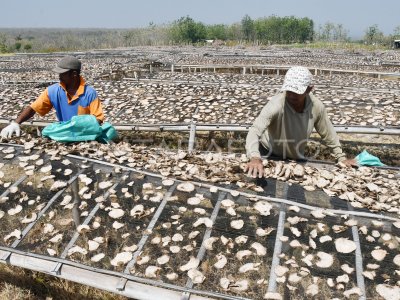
pixel 330 32
pixel 185 30
pixel 277 30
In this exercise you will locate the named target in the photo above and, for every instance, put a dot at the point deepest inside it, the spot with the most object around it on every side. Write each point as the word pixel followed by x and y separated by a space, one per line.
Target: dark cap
pixel 67 63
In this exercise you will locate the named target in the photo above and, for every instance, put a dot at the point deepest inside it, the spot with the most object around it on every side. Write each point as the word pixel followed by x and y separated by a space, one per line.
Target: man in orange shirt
pixel 71 97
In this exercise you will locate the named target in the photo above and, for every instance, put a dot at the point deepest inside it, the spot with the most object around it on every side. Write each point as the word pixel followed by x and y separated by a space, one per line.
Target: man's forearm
pixel 26 114
pixel 252 144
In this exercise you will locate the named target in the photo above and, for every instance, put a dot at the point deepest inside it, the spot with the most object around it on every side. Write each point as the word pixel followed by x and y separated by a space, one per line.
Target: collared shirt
pixel 285 132
pixel 85 101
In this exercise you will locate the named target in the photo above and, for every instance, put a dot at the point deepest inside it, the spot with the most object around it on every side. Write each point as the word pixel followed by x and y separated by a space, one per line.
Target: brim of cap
pixel 295 89
pixel 60 70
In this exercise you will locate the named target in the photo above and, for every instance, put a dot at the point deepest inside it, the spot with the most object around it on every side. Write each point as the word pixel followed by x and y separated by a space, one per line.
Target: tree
pixel 340 33
pixel 234 31
pixel 187 30
pixel 373 35
pixel 330 32
pixel 217 32
pixel 248 28
pixel 276 29
pixel 3 43
pixel 396 32
pixel 326 31
pixel 18 46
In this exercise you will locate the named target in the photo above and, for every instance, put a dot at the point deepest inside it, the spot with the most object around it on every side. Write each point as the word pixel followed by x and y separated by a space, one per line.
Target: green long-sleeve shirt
pixel 285 132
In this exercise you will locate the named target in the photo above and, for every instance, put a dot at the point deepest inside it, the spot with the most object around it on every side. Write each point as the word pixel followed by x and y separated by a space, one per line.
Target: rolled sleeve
pixel 96 109
pixel 329 136
pixel 259 126
pixel 42 105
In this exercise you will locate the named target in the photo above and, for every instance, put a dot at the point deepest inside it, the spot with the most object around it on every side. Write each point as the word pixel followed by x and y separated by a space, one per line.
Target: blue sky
pixel 355 15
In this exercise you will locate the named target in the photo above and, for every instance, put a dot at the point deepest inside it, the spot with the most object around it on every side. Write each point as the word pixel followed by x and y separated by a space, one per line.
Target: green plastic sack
pixel 108 133
pixel 80 128
pixel 366 159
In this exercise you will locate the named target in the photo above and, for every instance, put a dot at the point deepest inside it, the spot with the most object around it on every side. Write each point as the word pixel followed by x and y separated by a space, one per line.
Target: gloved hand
pixel 8 131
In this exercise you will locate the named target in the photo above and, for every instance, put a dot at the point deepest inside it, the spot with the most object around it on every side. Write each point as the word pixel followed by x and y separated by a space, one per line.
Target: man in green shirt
pixel 286 122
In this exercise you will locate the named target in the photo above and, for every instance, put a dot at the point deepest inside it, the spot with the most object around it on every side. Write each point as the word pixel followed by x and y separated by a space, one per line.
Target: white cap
pixel 297 79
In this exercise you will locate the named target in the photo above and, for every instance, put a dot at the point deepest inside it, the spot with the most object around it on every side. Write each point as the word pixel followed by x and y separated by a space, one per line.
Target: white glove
pixel 8 131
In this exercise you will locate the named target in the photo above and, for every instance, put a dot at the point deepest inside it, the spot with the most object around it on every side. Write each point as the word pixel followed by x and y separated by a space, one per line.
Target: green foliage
pixel 330 32
pixel 396 33
pixel 267 30
pixel 284 30
pixel 217 32
pixel 373 35
pixel 27 47
pixel 234 31
pixel 17 46
pixel 3 45
pixel 248 28
pixel 186 30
